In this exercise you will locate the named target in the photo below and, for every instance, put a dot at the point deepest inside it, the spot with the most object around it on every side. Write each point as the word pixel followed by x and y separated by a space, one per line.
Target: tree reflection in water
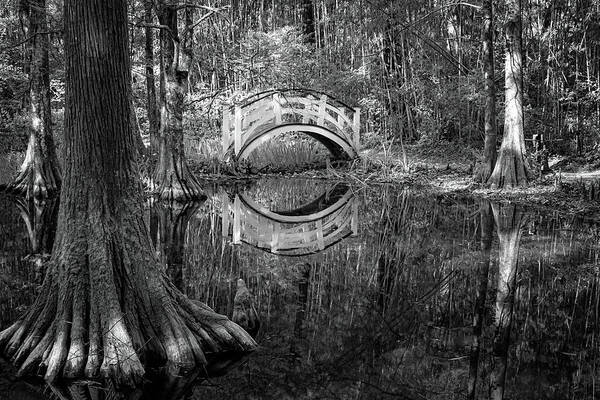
pixel 407 309
pixel 509 220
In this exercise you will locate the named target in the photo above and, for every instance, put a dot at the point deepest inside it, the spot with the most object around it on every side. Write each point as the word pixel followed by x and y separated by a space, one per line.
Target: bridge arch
pixel 262 116
pixel 333 142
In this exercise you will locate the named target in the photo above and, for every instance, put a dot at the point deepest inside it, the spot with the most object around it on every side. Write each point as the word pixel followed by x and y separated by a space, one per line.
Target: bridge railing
pixel 245 224
pixel 246 121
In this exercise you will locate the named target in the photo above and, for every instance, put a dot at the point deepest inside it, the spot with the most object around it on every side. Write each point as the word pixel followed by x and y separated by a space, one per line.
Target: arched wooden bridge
pixel 265 115
pixel 308 229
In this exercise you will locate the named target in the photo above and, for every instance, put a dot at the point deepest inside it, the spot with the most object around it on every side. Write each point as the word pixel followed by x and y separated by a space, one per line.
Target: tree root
pixel 35 180
pixel 104 314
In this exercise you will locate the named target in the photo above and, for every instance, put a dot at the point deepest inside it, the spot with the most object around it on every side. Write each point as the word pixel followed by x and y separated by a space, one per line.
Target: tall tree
pixel 172 179
pixel 151 106
pixel 39 175
pixel 105 308
pixel 489 147
pixel 511 167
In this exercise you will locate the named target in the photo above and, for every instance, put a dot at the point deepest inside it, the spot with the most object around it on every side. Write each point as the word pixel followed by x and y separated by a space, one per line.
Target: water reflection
pixel 168 225
pixel 482 275
pixel 433 298
pixel 306 229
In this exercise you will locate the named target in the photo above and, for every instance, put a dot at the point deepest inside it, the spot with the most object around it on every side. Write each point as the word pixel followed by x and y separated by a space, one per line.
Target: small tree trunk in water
pixel 151 108
pixel 39 175
pixel 172 179
pixel 511 166
pixel 487 225
pixel 508 220
pixel 489 147
pixel 105 309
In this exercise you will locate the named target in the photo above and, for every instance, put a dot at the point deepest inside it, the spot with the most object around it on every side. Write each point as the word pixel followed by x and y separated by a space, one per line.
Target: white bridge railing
pixel 286 111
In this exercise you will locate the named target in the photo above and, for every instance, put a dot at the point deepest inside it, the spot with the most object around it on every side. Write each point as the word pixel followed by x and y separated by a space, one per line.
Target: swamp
pixel 308 199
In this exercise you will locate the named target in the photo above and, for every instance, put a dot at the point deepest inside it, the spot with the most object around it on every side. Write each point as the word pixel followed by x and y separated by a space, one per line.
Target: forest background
pixel 414 68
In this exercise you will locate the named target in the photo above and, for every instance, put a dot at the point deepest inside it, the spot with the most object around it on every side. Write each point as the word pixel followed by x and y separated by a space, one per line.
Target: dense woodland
pixel 422 72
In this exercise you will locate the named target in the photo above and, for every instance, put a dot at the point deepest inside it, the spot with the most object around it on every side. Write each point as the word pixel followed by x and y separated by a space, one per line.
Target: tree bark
pixel 487 226
pixel 105 309
pixel 509 220
pixel 489 147
pixel 151 107
pixel 511 167
pixel 39 175
pixel 172 179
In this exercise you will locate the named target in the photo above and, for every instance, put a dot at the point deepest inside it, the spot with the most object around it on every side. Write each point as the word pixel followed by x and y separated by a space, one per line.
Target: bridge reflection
pixel 308 229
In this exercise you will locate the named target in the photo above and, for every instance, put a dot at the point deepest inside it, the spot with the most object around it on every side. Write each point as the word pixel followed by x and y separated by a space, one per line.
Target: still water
pixel 366 292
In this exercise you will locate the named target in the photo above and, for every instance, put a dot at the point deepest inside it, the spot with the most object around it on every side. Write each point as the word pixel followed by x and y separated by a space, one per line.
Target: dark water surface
pixel 367 293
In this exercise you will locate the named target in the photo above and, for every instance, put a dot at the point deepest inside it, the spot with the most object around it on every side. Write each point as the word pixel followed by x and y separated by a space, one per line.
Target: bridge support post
pixel 356 128
pixel 237 133
pixel 226 130
pixel 225 215
pixel 354 220
pixel 277 108
pixel 237 221
pixel 322 110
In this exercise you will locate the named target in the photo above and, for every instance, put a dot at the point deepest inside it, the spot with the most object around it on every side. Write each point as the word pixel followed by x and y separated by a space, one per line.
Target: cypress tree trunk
pixel 511 166
pixel 489 147
pixel 172 179
pixel 508 220
pixel 105 308
pixel 39 175
pixel 151 108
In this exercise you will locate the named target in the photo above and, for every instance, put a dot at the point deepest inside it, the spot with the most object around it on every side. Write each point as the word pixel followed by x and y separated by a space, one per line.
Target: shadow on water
pixel 411 297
